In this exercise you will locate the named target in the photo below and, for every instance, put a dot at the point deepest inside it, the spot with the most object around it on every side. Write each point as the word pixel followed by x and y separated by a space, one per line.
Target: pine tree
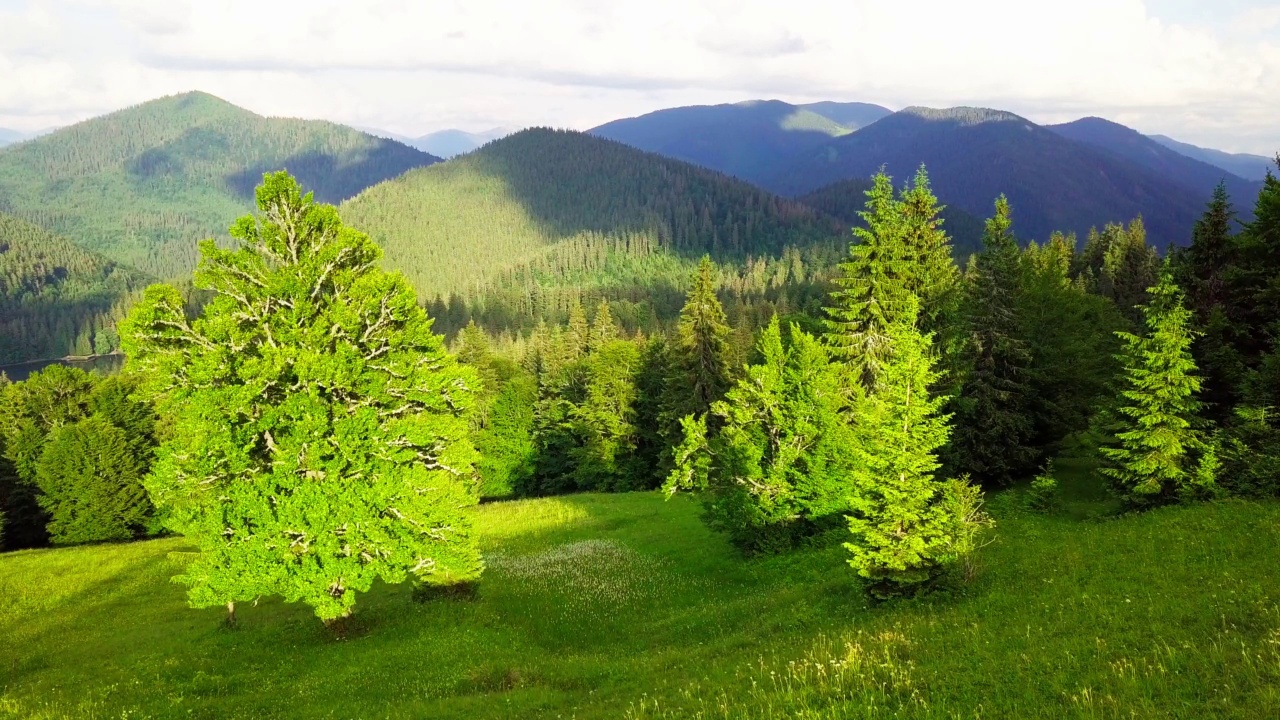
pixel 993 430
pixel 603 329
pixel 779 467
pixel 901 255
pixel 90 483
pixel 702 346
pixel 1149 460
pixel 604 420
pixel 320 434
pixel 907 525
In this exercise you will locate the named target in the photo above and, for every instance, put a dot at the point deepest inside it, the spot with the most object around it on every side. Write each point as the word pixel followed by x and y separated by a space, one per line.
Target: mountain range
pixel 444 143
pixel 141 185
pixel 1249 167
pixel 748 140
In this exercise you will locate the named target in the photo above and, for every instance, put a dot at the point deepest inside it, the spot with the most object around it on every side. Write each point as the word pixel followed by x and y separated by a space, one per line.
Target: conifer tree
pixel 702 345
pixel 779 466
pixel 1149 461
pixel 320 435
pixel 603 329
pixel 993 422
pixel 902 255
pixel 907 524
pixel 90 481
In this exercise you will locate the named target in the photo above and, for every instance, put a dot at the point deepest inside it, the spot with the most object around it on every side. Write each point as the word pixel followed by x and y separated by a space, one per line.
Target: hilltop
pixel 56 298
pixel 748 140
pixel 141 185
pixel 975 154
pixel 543 211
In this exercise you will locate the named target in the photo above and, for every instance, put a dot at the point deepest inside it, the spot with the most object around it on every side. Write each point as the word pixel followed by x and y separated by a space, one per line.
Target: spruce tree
pixel 902 255
pixel 702 346
pixel 90 480
pixel 993 429
pixel 907 524
pixel 1149 460
pixel 320 433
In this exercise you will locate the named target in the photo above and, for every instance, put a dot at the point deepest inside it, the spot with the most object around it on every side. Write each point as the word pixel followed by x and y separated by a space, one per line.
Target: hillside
pixel 56 298
pixel 1167 163
pixel 748 140
pixel 975 154
pixel 626 606
pixel 545 209
pixel 1249 167
pixel 141 185
pixel 451 143
pixel 845 199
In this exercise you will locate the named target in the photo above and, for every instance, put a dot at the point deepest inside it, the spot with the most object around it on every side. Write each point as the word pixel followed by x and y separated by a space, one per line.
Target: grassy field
pixel 622 606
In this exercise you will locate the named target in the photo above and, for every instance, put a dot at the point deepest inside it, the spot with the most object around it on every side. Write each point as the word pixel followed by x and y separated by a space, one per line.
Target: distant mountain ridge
pixel 1249 167
pixel 747 140
pixel 8 137
pixel 143 184
pixel 976 154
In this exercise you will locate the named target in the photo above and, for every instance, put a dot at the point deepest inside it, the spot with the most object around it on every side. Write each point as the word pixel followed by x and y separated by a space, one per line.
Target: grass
pixel 624 606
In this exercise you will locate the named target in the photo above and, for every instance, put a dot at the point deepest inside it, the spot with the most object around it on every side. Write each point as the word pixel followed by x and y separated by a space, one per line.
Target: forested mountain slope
pixel 748 140
pixel 528 221
pixel 1169 164
pixel 845 199
pixel 1245 165
pixel 975 154
pixel 56 298
pixel 141 185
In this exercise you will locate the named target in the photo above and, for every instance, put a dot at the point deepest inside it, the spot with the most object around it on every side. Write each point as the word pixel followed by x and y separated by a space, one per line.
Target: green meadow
pixel 626 606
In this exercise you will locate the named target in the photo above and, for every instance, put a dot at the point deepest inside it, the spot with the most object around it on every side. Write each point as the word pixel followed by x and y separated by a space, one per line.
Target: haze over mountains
pixel 513 231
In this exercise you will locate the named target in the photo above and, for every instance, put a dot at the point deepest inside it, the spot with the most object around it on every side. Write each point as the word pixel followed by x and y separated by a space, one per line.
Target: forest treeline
pixel 57 299
pixel 878 418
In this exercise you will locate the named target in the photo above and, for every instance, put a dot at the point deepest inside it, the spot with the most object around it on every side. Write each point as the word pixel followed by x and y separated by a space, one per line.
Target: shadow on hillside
pixel 334 178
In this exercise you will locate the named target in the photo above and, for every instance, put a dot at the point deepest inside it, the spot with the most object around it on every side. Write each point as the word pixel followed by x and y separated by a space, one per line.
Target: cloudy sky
pixel 1203 71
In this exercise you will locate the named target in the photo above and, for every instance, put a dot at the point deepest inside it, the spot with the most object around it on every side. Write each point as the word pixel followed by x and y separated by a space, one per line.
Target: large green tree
pixel 1150 460
pixel 320 438
pixel 992 439
pixel 90 479
pixel 907 524
pixel 779 466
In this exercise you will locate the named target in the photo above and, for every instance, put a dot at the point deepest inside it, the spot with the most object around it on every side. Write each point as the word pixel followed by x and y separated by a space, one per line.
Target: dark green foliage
pixel 1150 460
pixel 520 230
pixel 603 420
pixel 142 185
pixel 76 446
pixel 702 346
pixel 57 299
pixel 993 423
pixel 975 154
pixel 908 525
pixel 779 465
pixel 1117 264
pixel 902 257
pixel 1249 448
pixel 90 480
pixel 320 436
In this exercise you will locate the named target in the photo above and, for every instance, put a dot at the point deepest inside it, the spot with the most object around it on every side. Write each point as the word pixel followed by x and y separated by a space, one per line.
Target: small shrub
pixel 1043 495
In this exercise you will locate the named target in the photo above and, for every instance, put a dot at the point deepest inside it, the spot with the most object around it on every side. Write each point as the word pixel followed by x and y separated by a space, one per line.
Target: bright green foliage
pixel 1150 461
pixel 506 441
pixel 901 254
pixel 907 524
pixel 143 184
pixel 57 299
pixel 991 442
pixel 603 329
pixel 779 466
pixel 603 419
pixel 90 481
pixel 1043 494
pixel 320 433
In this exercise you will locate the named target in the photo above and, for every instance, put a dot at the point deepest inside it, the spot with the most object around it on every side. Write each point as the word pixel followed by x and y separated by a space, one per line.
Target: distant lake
pixel 106 364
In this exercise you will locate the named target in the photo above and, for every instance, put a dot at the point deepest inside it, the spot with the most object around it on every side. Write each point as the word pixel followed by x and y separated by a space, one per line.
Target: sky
pixel 1201 71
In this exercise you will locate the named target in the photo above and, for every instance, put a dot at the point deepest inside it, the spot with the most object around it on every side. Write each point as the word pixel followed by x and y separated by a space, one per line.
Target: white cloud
pixel 414 66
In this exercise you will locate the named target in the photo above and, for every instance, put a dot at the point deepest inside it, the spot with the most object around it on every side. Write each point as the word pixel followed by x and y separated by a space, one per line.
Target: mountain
pixel 748 140
pixel 526 223
pixel 451 143
pixel 8 137
pixel 975 154
pixel 56 298
pixel 143 184
pixel 1166 163
pixel 843 200
pixel 1249 167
